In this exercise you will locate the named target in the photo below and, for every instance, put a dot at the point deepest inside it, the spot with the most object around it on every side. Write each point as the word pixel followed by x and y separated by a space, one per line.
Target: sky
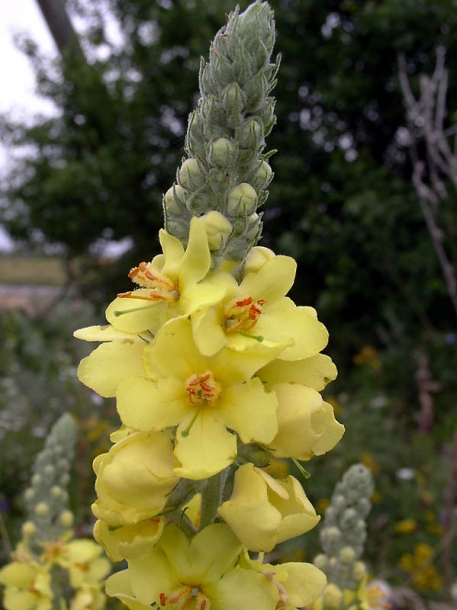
pixel 17 96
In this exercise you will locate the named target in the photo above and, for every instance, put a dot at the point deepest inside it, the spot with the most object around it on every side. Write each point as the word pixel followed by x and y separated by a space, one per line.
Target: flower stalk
pixel 214 370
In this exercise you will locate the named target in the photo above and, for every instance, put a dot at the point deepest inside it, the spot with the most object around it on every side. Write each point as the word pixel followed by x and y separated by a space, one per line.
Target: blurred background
pixel 93 111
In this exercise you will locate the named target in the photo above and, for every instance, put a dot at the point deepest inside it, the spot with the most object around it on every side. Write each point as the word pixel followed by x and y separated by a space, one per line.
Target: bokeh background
pixel 364 197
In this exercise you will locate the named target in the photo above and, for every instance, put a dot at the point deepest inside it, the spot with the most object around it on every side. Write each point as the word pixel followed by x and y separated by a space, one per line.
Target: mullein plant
pixel 214 369
pixel 342 537
pixel 49 568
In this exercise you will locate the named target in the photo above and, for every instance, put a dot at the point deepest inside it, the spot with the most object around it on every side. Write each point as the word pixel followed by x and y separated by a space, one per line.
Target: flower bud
pixel 28 529
pixel 347 555
pixel 66 518
pixel 42 509
pixel 359 571
pixel 242 200
pixel 220 152
pixel 217 228
pixel 256 259
pixel 174 199
pixel 190 175
pixel 332 596
pixel 263 176
pixel 254 226
pixel 56 492
pixel 251 134
pixel 36 480
pixel 320 561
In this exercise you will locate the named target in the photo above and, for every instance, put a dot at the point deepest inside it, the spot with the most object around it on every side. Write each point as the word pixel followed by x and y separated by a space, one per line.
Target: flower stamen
pixel 241 315
pixel 181 598
pixel 163 289
pixel 202 388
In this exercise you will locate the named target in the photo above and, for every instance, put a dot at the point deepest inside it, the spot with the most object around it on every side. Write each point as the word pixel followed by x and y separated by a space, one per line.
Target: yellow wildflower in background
pixel 419 565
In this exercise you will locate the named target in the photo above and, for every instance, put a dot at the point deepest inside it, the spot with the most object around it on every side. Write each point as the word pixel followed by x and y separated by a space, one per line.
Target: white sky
pixel 16 77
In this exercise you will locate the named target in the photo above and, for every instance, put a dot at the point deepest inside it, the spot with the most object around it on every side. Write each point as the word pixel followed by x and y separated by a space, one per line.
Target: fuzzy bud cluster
pixel 47 498
pixel 226 170
pixel 342 538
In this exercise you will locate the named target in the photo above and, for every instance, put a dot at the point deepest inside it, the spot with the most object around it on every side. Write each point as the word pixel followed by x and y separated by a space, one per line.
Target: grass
pixel 24 270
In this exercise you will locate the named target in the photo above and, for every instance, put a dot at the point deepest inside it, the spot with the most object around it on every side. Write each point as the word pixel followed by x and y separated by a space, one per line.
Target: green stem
pixel 212 498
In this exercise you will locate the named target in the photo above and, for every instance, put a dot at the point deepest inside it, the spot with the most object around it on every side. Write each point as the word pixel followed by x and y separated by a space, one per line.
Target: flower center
pixel 202 389
pixel 183 597
pixel 147 276
pixel 241 315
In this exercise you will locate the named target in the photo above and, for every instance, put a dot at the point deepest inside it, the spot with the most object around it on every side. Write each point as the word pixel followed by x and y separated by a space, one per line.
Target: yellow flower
pixel 86 565
pixel 134 478
pixel 171 284
pixel 196 575
pixel 127 541
pixel 263 511
pixel 258 310
pixel 119 358
pixel 406 526
pixel 28 586
pixel 297 584
pixel 201 396
pixel 306 424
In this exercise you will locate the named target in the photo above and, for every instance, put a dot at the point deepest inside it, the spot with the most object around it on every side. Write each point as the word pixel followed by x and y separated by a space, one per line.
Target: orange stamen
pixel 202 388
pixel 242 315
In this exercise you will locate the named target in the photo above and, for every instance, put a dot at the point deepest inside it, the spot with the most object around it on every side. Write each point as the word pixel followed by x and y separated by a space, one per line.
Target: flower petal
pixel 146 405
pixel 251 411
pixel 315 372
pixel 110 363
pixel 273 280
pixel 208 449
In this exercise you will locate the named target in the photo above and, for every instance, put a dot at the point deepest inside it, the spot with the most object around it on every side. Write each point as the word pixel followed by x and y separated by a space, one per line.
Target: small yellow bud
pixel 221 152
pixel 217 228
pixel 332 596
pixel 256 258
pixel 41 509
pixel 190 174
pixel 359 570
pixel 49 470
pixel 254 226
pixel 347 555
pixel 56 492
pixel 320 561
pixel 29 494
pixel 28 529
pixel 175 198
pixel 66 518
pixel 242 200
pixel 36 480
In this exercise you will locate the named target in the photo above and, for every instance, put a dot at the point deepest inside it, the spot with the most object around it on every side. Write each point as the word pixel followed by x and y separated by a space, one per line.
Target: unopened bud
pixel 56 492
pixel 217 228
pixel 347 555
pixel 174 199
pixel 251 134
pixel 220 152
pixel 242 200
pixel 254 226
pixel 66 518
pixel 41 509
pixel 190 174
pixel 263 176
pixel 28 529
pixel 359 571
pixel 257 258
pixel 320 561
pixel 332 596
